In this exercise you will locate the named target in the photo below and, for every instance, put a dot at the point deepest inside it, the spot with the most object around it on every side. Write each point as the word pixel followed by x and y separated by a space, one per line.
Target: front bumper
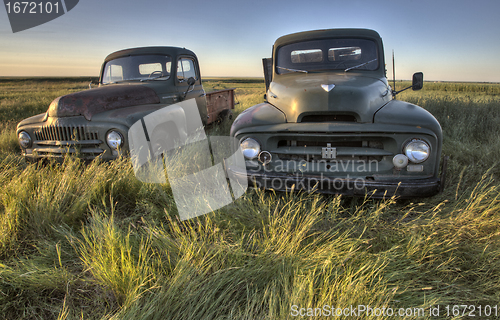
pixel 58 154
pixel 354 187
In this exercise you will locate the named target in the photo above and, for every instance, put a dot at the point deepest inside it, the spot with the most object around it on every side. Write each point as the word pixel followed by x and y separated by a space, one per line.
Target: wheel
pixel 225 115
pixel 163 141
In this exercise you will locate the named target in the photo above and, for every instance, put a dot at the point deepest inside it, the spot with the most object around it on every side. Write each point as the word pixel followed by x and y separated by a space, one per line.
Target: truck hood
pixel 90 102
pixel 328 94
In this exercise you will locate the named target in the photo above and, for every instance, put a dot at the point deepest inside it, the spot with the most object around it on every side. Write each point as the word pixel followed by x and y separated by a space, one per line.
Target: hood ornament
pixel 327 87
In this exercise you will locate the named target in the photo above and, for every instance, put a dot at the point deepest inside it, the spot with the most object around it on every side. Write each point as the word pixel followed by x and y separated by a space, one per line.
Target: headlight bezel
pixel 253 155
pixel 24 144
pixel 415 145
pixel 113 144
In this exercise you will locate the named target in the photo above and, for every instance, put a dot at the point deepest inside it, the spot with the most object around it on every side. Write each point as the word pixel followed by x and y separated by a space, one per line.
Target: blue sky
pixel 447 40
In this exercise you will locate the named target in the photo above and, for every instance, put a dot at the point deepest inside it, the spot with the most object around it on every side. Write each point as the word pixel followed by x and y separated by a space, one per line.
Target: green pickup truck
pixel 133 83
pixel 331 123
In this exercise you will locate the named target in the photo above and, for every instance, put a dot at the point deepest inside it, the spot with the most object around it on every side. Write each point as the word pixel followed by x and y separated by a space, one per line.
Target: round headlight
pixel 417 151
pixel 114 139
pixel 250 148
pixel 24 139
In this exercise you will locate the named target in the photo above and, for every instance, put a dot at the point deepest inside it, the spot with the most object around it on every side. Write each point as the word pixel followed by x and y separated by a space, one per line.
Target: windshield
pixel 327 54
pixel 141 68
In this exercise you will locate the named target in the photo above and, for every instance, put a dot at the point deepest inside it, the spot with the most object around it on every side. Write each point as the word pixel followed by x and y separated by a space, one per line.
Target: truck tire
pixel 224 115
pixel 164 139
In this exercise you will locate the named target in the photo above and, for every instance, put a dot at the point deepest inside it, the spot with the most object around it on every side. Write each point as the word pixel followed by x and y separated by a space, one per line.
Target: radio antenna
pixel 393 73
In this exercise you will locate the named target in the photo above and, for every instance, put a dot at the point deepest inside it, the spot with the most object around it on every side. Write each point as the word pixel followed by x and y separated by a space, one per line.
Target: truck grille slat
pixel 67 132
pixel 60 132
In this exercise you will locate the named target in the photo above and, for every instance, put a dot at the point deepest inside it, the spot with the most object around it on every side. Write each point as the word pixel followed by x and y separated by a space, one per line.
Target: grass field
pixel 92 242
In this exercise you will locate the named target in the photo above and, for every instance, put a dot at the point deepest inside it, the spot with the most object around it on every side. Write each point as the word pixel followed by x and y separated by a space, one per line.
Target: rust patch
pixel 90 102
pixel 217 101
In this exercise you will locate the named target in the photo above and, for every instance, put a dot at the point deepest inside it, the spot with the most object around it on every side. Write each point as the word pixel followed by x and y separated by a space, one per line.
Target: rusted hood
pixel 90 102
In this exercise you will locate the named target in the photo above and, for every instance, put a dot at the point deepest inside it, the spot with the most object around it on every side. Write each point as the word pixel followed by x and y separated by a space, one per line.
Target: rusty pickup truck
pixel 133 83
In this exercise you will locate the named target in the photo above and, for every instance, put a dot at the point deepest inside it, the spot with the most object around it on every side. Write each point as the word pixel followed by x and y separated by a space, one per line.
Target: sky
pixel 447 40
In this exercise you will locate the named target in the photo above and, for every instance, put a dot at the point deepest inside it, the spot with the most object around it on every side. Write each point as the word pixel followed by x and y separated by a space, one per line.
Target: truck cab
pixel 330 122
pixel 152 66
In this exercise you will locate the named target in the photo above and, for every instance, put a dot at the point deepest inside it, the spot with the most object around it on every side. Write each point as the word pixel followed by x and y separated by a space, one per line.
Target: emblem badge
pixel 327 87
pixel 329 152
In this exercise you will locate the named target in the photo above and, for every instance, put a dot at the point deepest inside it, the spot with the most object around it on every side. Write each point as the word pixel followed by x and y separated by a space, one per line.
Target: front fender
pixel 258 115
pixel 31 120
pixel 404 113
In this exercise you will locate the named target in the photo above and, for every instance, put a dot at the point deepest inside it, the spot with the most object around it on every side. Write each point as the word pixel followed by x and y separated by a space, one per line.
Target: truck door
pixel 188 68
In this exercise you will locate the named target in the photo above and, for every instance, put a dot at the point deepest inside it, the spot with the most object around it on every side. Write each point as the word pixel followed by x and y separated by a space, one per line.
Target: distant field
pixel 91 241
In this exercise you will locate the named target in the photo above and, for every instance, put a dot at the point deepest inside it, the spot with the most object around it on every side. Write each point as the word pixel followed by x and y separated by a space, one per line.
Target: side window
pixel 113 73
pixel 185 69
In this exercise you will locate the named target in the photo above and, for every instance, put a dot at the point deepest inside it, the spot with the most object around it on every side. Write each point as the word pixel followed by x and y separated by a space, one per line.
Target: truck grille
pixel 56 141
pixel 65 133
pixel 301 150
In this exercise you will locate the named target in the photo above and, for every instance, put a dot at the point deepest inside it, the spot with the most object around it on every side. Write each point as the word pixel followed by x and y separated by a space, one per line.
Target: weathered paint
pixel 88 103
pixel 217 101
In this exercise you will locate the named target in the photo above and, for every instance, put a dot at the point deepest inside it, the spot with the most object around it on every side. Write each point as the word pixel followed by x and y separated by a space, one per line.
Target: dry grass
pixel 92 242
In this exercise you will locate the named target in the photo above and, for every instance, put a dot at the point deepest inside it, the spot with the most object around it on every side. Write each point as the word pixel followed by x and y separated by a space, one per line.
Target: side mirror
pixel 191 81
pixel 418 81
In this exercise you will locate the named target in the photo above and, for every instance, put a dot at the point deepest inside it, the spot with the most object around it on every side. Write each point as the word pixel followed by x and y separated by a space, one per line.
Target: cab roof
pixel 171 51
pixel 327 33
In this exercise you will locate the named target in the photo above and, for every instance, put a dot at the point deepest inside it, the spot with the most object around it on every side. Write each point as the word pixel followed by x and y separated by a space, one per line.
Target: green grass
pixel 92 242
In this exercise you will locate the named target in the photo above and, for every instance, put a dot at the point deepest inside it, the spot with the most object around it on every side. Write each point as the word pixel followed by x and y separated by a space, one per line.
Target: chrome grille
pixel 65 133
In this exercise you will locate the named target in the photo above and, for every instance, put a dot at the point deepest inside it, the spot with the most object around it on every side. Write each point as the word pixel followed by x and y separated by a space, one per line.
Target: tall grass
pixel 90 241
pixel 469 115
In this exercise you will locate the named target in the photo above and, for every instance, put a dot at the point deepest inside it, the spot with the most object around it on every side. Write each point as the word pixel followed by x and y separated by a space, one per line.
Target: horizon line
pixel 229 77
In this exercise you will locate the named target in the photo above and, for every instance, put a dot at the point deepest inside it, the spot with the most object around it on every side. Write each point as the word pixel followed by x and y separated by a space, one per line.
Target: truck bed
pixel 218 101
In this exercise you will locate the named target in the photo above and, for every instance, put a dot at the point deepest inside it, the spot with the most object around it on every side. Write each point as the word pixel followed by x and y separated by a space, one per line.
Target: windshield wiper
pixel 360 65
pixel 292 70
pixel 125 80
pixel 149 79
